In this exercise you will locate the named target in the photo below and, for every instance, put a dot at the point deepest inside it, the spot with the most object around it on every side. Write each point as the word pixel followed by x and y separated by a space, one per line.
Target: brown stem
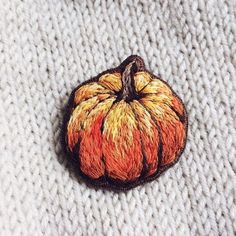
pixel 135 65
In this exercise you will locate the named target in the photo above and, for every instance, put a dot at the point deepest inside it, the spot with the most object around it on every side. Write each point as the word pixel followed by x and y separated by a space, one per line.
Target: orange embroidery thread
pixel 125 126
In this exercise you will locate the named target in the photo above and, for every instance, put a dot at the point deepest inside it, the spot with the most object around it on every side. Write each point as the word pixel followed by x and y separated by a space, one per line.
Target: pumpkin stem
pixel 128 92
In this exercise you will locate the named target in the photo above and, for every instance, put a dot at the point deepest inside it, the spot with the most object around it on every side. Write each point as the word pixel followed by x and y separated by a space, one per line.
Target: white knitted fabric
pixel 47 47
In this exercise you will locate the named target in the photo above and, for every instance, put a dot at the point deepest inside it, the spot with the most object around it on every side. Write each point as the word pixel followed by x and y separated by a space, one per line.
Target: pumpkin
pixel 125 126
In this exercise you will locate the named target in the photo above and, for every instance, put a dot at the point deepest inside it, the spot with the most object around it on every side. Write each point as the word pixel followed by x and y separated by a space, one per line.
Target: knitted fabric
pixel 47 47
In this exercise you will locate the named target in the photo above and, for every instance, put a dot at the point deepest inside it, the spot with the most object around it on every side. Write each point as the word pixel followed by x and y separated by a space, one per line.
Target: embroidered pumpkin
pixel 125 126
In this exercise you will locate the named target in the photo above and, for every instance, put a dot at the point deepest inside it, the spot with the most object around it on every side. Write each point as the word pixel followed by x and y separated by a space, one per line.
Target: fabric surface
pixel 47 47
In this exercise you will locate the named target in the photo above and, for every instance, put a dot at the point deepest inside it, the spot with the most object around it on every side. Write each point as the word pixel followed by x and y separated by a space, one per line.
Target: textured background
pixel 47 47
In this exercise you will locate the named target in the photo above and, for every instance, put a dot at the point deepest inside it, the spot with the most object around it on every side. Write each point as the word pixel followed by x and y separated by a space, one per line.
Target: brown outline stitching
pixel 109 183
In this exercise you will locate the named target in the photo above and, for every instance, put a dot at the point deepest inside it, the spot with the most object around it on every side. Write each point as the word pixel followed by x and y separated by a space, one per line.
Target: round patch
pixel 125 126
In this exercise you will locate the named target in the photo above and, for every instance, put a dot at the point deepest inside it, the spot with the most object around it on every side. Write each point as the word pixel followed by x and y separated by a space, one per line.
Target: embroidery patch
pixel 124 127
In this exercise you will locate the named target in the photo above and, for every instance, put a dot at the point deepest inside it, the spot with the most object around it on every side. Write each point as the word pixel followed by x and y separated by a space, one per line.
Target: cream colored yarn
pixel 47 47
